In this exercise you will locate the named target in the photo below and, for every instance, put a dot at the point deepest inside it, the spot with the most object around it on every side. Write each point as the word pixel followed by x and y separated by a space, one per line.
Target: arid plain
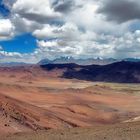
pixel 36 100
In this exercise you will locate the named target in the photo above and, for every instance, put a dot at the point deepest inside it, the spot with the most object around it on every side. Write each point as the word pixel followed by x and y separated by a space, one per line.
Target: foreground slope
pixel 128 131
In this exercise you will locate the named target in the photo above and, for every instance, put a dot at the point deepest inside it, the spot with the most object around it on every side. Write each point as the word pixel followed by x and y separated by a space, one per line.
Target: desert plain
pixel 41 105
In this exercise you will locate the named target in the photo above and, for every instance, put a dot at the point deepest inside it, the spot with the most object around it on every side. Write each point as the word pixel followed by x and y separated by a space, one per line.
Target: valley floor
pixel 38 104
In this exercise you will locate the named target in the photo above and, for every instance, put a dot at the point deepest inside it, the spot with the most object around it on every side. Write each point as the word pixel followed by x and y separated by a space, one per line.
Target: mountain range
pixel 120 72
pixel 126 71
pixel 66 60
pixel 88 61
pixel 12 64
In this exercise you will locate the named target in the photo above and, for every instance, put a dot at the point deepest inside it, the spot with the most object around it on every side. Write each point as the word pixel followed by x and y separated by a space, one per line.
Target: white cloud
pixel 46 32
pixel 39 11
pixel 23 25
pixel 46 44
pixel 6 29
pixel 72 27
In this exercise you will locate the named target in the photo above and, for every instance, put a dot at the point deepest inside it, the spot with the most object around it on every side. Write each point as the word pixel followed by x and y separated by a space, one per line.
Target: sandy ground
pixel 128 131
pixel 33 103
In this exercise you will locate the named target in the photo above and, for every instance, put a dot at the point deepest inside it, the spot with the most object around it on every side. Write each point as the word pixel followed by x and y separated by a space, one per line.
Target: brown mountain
pixel 121 72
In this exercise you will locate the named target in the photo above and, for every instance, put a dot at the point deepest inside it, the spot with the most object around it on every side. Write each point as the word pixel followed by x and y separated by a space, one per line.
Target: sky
pixel 31 30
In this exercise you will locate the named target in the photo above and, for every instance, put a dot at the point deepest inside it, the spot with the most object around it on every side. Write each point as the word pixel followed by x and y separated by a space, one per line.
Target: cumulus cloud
pixel 39 11
pixel 67 31
pixel 78 28
pixel 10 54
pixel 63 6
pixel 23 25
pixel 6 29
pixel 120 10
pixel 128 45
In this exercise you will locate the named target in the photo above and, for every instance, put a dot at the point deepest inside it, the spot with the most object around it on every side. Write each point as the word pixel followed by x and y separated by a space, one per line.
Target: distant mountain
pixel 89 61
pixel 132 59
pixel 63 60
pixel 121 72
pixel 11 64
pixel 118 72
pixel 44 61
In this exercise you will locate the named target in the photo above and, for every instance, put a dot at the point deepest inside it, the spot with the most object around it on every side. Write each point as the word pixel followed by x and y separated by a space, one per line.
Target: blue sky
pixel 25 43
pixel 3 10
pixel 36 29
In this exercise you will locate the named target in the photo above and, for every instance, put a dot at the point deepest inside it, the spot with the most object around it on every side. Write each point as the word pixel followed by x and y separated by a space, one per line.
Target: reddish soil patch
pixel 44 101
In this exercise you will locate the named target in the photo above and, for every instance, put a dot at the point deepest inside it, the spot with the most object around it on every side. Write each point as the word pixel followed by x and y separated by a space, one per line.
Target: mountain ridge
pixel 120 72
pixel 88 61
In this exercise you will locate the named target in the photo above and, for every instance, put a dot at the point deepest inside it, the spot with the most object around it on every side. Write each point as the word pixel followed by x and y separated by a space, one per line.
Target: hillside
pixel 121 72
pixel 37 98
